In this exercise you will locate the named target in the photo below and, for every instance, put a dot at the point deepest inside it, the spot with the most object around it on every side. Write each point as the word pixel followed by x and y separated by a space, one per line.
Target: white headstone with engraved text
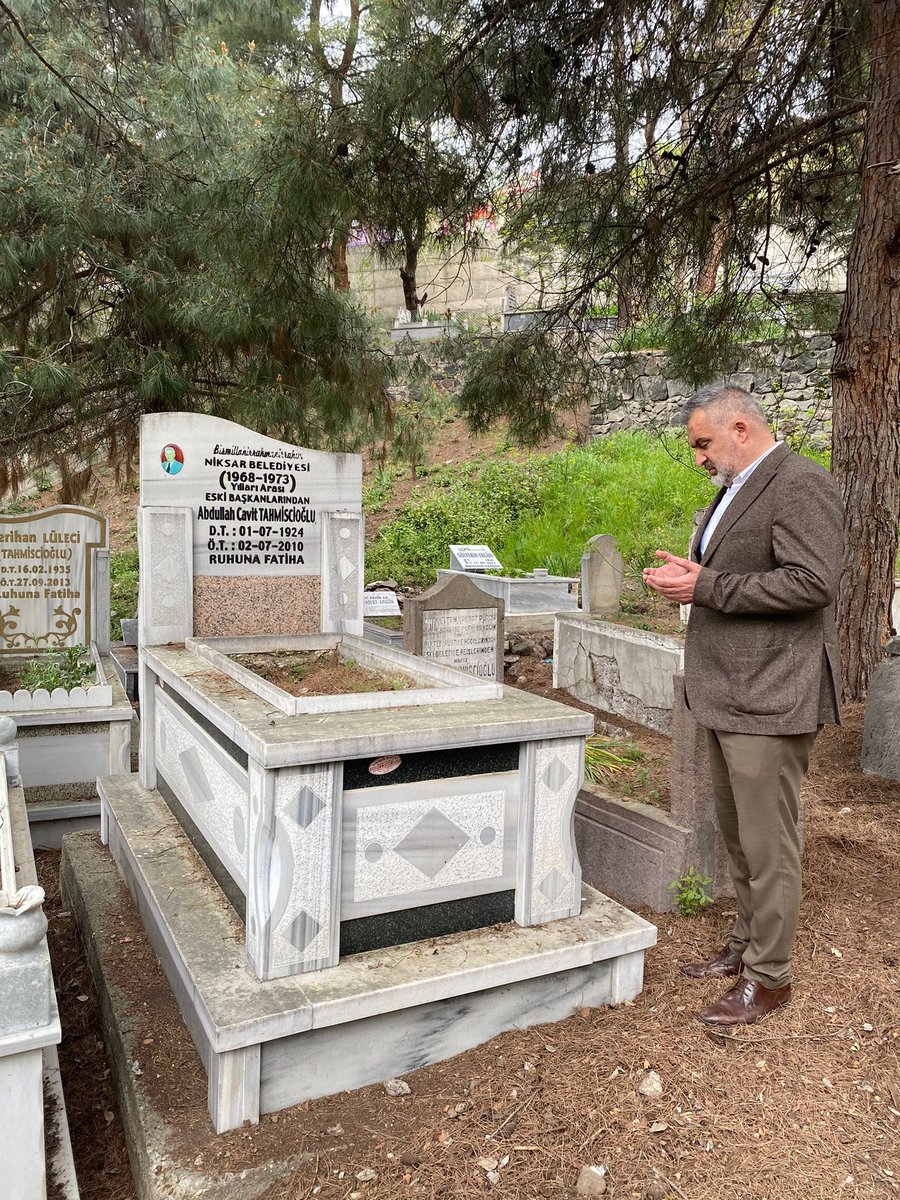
pixel 474 558
pixel 380 604
pixel 255 501
pixel 50 579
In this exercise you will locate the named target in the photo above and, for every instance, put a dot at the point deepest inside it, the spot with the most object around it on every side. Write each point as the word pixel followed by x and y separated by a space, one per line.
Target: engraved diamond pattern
pixel 304 807
pixel 556 775
pixel 169 569
pixel 431 843
pixel 345 567
pixel 553 884
pixel 301 931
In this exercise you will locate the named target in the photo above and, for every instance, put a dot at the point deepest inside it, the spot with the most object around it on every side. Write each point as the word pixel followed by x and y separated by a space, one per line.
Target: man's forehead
pixel 699 425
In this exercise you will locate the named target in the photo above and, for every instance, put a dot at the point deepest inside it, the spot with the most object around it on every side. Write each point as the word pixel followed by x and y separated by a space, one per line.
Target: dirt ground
pixel 805 1105
pixel 321 673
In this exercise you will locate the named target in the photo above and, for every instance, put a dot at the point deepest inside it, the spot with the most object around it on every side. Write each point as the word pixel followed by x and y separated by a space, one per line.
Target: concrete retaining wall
pixel 621 670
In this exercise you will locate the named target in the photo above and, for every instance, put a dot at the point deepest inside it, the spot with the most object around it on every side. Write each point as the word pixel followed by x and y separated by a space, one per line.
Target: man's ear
pixel 739 428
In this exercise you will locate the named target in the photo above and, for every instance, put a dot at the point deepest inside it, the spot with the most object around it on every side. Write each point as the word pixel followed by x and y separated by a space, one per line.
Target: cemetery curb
pixel 88 884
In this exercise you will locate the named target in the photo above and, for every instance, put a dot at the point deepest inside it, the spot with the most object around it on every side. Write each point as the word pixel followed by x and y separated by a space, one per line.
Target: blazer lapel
pixel 745 497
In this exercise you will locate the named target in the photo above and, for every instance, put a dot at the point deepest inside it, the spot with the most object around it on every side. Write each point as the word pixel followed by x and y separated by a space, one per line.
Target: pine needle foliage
pixel 165 203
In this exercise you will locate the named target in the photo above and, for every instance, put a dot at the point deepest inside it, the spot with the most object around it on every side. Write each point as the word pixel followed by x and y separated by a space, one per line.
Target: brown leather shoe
pixel 744 1003
pixel 727 962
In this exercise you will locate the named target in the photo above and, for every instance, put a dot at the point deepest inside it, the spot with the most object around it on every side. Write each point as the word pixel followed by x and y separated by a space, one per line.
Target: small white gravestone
pixel 380 604
pixel 474 558
pixel 54 580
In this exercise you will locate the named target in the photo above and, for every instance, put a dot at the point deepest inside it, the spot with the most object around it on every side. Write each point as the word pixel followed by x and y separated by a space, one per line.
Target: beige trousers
pixel 756 785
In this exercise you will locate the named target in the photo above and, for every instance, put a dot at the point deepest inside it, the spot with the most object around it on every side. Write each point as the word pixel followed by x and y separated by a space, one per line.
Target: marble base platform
pixel 268 1045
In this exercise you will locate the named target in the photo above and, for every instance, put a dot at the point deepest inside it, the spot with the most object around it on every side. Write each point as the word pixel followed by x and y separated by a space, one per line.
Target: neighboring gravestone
pixel 602 572
pixel 456 623
pixel 380 604
pixel 881 732
pixel 241 534
pixel 54 580
pixel 474 558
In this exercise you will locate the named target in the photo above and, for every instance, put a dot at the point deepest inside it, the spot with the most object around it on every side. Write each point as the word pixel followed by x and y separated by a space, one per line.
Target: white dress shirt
pixel 730 492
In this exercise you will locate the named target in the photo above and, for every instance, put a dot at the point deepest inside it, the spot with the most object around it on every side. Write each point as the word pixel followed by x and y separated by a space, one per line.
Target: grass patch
pixel 123 589
pixel 540 512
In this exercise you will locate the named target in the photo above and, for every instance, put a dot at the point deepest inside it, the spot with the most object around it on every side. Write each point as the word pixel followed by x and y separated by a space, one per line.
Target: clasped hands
pixel 675 580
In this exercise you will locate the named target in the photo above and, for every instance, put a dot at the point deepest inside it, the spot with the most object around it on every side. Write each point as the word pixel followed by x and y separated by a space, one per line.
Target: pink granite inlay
pixel 227 606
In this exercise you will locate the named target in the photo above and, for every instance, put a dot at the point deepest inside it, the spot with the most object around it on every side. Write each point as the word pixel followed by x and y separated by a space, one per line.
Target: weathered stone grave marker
pixel 602 572
pixel 454 622
pixel 54 595
pixel 881 743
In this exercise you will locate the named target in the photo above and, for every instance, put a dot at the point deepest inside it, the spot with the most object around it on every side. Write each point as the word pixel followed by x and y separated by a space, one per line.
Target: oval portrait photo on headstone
pixel 172 458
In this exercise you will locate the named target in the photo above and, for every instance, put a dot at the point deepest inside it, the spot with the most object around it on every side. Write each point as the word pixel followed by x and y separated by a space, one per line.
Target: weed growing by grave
pixel 64 670
pixel 691 896
pixel 604 756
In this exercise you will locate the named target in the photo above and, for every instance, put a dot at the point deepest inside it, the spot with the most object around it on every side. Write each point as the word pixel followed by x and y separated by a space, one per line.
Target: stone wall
pixel 792 383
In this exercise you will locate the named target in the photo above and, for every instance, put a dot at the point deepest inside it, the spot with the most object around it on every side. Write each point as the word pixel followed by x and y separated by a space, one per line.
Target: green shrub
pixel 123 588
pixel 540 513
pixel 412 547
pixel 62 670
pixel 691 896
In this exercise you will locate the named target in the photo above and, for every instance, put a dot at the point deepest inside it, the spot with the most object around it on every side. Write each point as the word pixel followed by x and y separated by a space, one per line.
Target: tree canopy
pixel 177 187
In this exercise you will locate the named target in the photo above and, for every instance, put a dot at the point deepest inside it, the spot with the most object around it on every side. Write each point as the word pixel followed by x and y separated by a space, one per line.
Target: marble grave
pixel 290 859
pixel 54 565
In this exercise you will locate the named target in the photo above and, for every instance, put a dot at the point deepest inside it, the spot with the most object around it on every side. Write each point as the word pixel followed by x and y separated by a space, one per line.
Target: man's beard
pixel 724 475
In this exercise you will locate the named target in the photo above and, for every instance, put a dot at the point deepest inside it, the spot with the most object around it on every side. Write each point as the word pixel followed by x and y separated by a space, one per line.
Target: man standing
pixel 761 672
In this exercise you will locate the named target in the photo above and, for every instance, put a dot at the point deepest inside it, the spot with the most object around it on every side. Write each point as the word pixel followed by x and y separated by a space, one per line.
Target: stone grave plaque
pixel 48 594
pixel 244 535
pixel 380 604
pixel 602 573
pixel 474 558
pixel 256 502
pixel 456 623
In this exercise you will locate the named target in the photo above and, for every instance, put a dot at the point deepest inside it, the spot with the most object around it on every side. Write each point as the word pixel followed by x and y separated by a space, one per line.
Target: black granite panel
pixel 428 921
pixel 434 764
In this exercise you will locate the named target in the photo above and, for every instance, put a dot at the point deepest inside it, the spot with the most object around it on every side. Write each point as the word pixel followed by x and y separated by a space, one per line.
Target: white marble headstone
pixel 256 503
pixel 473 558
pixel 47 567
pixel 382 603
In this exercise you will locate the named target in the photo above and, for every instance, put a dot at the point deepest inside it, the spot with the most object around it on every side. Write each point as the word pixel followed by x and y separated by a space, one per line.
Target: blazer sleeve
pixel 807 544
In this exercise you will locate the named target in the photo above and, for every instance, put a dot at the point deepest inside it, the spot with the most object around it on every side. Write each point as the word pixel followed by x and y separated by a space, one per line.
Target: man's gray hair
pixel 727 399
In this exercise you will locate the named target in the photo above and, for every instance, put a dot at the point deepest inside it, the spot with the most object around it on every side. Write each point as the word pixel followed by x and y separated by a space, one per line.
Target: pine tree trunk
pixel 866 375
pixel 712 260
pixel 408 273
pixel 339 268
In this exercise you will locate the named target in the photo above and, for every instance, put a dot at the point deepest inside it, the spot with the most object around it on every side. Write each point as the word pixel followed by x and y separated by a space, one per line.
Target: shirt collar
pixel 742 476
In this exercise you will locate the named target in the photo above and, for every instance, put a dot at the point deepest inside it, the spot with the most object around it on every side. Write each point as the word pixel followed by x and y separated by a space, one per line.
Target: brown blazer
pixel 761 653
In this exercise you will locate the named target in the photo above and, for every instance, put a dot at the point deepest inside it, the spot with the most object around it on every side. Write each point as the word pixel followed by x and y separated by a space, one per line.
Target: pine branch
pixel 26 38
